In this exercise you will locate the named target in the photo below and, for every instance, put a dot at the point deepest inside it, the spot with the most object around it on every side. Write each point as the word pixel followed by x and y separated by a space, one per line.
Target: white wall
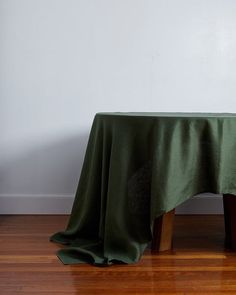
pixel 61 61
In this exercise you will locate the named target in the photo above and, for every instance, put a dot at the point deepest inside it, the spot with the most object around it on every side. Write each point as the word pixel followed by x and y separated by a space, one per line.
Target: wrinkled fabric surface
pixel 138 166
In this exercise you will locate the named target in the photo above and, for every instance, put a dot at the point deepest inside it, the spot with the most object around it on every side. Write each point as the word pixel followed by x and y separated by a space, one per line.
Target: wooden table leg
pixel 230 220
pixel 162 232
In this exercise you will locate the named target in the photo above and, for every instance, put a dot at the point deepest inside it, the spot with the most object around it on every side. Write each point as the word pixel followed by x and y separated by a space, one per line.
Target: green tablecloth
pixel 138 166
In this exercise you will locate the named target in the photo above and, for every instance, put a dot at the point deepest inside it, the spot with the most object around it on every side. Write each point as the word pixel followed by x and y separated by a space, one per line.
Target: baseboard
pixel 202 204
pixel 36 204
pixel 62 204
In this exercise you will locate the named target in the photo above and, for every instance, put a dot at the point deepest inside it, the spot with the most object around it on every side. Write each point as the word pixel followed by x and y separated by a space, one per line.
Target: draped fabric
pixel 137 167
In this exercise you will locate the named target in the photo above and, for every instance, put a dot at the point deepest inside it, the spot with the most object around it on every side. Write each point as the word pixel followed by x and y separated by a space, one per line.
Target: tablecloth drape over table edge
pixel 137 167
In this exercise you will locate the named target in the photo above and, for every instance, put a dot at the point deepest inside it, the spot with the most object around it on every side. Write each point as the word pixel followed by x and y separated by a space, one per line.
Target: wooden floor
pixel 198 263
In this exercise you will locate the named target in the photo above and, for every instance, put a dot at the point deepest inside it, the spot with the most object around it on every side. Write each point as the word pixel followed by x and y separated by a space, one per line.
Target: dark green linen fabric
pixel 138 166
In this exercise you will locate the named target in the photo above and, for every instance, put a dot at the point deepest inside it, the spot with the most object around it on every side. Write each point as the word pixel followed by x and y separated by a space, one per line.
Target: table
pixel 137 168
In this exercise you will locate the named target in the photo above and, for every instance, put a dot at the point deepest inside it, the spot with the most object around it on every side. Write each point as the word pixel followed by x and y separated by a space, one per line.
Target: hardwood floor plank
pixel 198 263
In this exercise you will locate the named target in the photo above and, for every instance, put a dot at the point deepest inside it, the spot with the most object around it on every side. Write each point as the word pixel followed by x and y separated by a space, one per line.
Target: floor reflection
pixel 197 264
